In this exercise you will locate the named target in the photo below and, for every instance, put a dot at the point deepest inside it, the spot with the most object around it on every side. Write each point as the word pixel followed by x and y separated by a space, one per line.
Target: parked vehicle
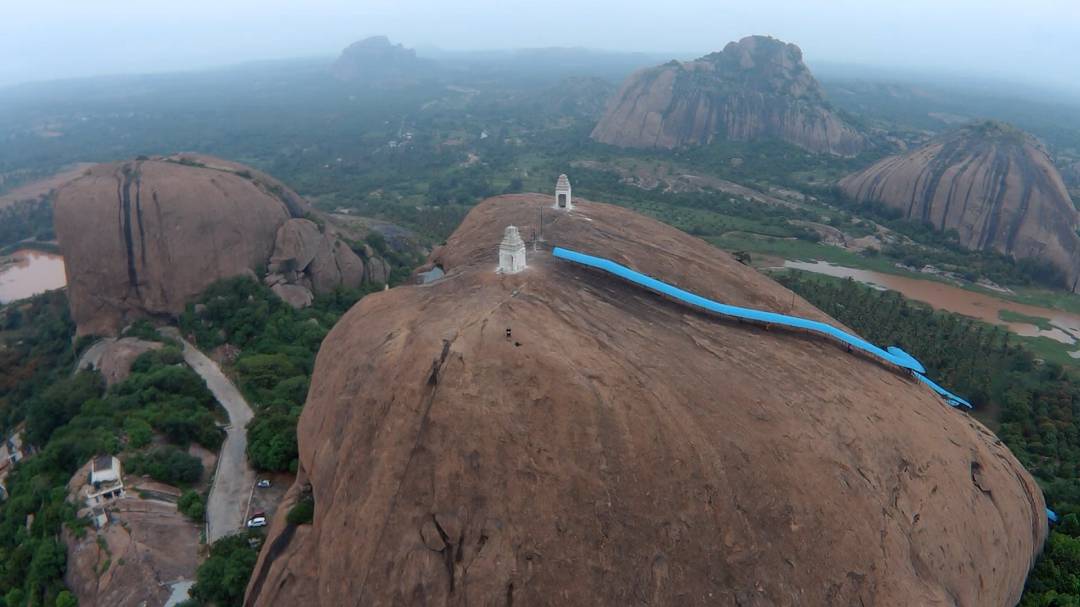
pixel 263 484
pixel 256 521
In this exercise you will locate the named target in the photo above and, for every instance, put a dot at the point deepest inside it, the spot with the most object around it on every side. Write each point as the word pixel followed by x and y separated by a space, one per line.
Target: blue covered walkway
pixel 892 355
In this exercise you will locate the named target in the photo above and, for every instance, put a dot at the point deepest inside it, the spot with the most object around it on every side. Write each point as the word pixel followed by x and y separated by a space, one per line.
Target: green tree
pixel 272 441
pixel 223 577
pixel 192 505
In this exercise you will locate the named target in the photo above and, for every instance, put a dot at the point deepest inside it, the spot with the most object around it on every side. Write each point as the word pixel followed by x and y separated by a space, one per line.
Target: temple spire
pixel 511 252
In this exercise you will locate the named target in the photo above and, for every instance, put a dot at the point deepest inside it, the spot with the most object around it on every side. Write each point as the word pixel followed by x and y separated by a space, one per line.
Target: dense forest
pixel 1034 406
pixel 70 418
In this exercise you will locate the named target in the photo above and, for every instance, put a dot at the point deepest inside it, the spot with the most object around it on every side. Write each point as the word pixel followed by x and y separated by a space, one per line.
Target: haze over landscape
pixel 417 303
pixel 1034 41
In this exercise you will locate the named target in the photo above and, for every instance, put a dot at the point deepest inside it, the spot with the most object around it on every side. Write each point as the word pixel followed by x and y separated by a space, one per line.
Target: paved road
pixel 234 479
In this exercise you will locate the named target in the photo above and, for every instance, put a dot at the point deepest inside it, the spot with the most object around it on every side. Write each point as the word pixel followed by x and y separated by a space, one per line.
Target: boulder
pixel 294 295
pixel 143 238
pixel 113 357
pixel 297 243
pixel 335 265
pixel 620 448
pixel 378 271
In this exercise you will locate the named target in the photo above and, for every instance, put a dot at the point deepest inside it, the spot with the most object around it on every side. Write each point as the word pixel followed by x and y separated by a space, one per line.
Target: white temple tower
pixel 562 194
pixel 511 252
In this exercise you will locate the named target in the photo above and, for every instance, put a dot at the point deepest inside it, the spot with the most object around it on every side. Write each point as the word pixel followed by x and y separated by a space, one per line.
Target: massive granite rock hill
pixel 993 184
pixel 618 448
pixel 143 238
pixel 755 88
pixel 376 60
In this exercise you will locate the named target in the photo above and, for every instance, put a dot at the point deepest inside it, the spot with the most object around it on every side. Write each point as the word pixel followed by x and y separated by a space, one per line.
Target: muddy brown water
pixel 27 272
pixel 1066 326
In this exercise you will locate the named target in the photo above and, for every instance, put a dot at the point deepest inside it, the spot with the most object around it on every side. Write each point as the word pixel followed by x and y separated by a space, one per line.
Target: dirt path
pixel 235 477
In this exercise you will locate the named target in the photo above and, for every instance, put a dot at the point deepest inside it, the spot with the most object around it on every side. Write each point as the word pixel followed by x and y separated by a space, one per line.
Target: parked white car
pixel 263 484
pixel 256 521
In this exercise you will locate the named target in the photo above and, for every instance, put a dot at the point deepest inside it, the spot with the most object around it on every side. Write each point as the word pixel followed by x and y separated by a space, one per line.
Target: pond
pixel 28 272
pixel 1065 327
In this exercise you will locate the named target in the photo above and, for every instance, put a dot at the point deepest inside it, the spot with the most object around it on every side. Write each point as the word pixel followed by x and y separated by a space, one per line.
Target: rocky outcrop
pixel 993 184
pixel 145 545
pixel 113 357
pixel 376 60
pixel 143 238
pixel 559 437
pixel 307 257
pixel 755 88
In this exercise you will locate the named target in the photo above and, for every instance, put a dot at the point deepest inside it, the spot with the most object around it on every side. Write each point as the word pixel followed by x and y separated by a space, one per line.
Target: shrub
pixel 223 577
pixel 168 465
pixel 138 432
pixel 192 505
pixel 272 441
pixel 303 511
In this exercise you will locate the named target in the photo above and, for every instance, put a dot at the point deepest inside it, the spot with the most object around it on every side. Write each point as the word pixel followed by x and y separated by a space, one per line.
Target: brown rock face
pixel 309 256
pixel 146 545
pixel 619 448
pixel 993 184
pixel 756 88
pixel 141 239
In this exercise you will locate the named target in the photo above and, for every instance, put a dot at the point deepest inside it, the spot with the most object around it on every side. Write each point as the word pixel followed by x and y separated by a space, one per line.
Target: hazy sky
pixel 1034 40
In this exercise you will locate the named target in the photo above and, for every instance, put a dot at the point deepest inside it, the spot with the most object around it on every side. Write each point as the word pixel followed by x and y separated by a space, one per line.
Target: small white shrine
pixel 562 194
pixel 511 252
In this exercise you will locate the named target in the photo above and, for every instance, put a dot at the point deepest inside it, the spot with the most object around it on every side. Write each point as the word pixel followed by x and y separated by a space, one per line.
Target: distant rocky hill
pixel 379 61
pixel 757 87
pixel 992 183
pixel 143 238
pixel 560 437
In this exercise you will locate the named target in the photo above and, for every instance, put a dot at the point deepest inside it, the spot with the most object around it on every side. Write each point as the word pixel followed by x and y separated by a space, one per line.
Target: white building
pixel 563 199
pixel 106 481
pixel 511 252
pixel 12 451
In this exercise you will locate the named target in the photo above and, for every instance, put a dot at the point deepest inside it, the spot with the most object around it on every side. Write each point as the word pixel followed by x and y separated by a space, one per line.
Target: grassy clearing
pixel 1043 324
pixel 1052 351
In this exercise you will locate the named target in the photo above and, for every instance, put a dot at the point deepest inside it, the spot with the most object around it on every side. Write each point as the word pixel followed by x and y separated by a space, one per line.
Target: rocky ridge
pixel 376 60
pixel 755 88
pixel 557 436
pixel 992 183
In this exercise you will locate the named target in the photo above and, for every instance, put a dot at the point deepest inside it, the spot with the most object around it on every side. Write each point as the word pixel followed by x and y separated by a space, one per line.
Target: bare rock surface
pixel 113 357
pixel 296 245
pixel 315 257
pixel 146 545
pixel 143 238
pixel 294 295
pixel 993 184
pixel 619 448
pixel 755 88
pixel 140 239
